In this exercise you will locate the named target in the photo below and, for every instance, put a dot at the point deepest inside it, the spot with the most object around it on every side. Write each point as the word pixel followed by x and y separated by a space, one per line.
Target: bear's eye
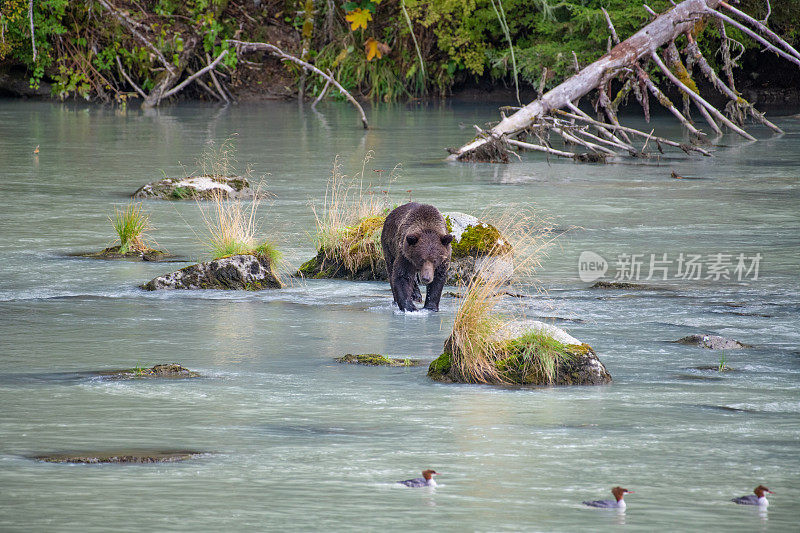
pixel 412 239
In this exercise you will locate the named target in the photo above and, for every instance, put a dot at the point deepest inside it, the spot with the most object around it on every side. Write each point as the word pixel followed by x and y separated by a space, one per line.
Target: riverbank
pixel 763 80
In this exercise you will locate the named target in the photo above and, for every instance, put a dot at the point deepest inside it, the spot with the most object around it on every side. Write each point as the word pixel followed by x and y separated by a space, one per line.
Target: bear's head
pixel 427 250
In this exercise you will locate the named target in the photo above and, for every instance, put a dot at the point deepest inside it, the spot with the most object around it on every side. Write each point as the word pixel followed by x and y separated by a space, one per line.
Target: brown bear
pixel 416 247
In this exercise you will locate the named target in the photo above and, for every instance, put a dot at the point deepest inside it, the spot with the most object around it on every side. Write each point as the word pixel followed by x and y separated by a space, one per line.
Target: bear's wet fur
pixel 416 247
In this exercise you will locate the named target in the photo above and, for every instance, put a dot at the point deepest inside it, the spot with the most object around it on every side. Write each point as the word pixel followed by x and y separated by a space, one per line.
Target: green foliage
pixel 533 358
pixel 229 247
pixel 78 42
pixel 48 17
pixel 130 225
pixel 379 79
pixel 181 193
pixel 723 364
pixel 269 251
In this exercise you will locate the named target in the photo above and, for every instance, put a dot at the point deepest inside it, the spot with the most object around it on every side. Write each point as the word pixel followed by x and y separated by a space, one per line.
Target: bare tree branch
pixel 33 36
pixel 191 78
pixel 321 93
pixel 698 99
pixel 243 46
pixel 129 80
pixel 684 147
pixel 216 83
pixel 750 33
pixel 709 73
pixel 540 148
pixel 760 26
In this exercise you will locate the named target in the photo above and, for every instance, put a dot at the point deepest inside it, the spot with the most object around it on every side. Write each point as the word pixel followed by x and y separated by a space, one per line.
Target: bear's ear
pixel 447 239
pixel 412 239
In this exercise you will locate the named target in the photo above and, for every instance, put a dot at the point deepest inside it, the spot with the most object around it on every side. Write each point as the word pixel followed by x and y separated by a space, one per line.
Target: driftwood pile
pixel 556 115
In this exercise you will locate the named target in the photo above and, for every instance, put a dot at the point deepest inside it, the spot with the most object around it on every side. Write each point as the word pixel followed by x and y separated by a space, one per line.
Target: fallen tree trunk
pixel 624 60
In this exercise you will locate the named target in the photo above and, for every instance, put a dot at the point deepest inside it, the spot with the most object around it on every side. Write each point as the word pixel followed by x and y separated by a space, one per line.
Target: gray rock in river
pixel 198 188
pixel 712 342
pixel 242 272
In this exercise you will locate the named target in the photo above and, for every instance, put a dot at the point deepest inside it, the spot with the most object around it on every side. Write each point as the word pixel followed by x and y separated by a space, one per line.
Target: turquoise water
pixel 298 442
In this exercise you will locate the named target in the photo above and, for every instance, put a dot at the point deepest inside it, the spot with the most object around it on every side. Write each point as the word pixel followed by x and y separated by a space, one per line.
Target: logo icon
pixel 591 266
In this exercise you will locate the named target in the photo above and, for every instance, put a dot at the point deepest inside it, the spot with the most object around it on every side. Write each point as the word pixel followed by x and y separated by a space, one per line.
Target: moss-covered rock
pixel 473 238
pixel 328 266
pixel 535 353
pixel 477 247
pixel 118 456
pixel 169 370
pixel 439 369
pixel 237 272
pixel 113 252
pixel 374 359
pixel 198 188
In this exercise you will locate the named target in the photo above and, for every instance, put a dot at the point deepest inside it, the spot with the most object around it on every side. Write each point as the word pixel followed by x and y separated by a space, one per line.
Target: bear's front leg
pixel 417 294
pixel 402 283
pixel 434 291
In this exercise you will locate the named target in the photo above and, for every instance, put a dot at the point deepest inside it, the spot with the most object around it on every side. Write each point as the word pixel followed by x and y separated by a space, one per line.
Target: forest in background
pixel 384 50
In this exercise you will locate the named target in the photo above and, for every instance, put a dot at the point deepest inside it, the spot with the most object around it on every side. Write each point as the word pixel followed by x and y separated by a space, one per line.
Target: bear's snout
pixel 426 273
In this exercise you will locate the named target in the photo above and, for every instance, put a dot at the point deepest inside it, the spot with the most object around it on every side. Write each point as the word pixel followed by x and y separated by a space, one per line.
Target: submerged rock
pixel 716 368
pixel 477 247
pixel 113 252
pixel 119 456
pixel 198 188
pixel 712 342
pixel 169 370
pixel 374 359
pixel 620 285
pixel 526 343
pixel 236 272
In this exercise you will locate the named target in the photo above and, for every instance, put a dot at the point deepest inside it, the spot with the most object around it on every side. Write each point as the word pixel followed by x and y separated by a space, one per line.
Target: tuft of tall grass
pixel 233 229
pixel 535 356
pixel 476 343
pixel 351 217
pixel 131 224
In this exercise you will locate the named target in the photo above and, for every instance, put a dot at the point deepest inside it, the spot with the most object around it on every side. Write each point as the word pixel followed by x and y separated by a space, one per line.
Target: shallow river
pixel 298 442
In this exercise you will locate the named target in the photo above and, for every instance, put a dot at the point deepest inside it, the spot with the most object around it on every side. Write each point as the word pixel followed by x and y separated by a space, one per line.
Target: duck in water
pixel 425 481
pixel 617 503
pixel 757 498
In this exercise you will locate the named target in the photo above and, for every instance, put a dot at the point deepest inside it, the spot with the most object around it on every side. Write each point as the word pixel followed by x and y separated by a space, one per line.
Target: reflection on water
pixel 302 442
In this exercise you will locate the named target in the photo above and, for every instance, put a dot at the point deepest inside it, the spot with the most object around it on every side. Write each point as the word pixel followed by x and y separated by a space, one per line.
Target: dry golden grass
pixel 350 219
pixel 474 342
pixel 219 161
pixel 232 225
pixel 232 228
